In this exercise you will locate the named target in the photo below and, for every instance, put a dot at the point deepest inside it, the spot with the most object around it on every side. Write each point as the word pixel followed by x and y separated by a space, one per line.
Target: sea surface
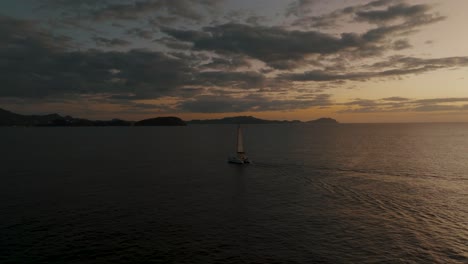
pixel 348 193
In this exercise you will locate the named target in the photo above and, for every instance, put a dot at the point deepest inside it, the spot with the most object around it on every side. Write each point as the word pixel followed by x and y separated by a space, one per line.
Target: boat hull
pixel 237 160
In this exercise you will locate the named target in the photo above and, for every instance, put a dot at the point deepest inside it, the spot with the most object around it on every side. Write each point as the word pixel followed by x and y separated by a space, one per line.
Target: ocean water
pixel 351 193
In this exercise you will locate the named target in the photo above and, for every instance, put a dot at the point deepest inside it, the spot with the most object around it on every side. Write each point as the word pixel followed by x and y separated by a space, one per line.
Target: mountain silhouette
pixel 254 120
pixel 161 121
pixel 8 118
pixel 323 120
pixel 240 120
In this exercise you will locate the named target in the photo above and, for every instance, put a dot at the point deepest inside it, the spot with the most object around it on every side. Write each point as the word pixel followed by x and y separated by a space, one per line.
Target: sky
pixel 352 60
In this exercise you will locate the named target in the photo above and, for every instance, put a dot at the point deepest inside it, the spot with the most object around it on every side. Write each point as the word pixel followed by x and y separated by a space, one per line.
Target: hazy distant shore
pixel 8 118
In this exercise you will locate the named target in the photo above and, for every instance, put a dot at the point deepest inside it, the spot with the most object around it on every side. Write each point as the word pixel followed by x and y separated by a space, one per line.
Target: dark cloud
pixel 114 42
pixel 255 20
pixel 159 12
pixel 436 108
pixel 407 17
pixel 244 80
pixel 117 25
pixel 401 44
pixel 141 33
pixel 186 9
pixel 142 73
pixel 128 11
pixel 334 18
pixel 275 46
pixel 369 106
pixel 250 103
pixel 72 3
pixel 405 28
pixel 190 58
pixel 320 76
pixel 398 104
pixel 412 63
pixel 173 43
pixel 52 69
pixel 392 13
pixel 227 63
pixel 186 35
pixel 395 99
pixel 235 16
pixel 233 67
pixel 242 16
pixel 285 49
pixel 363 103
pixel 163 20
pixel 407 66
pixel 23 38
pixel 300 7
pixel 441 100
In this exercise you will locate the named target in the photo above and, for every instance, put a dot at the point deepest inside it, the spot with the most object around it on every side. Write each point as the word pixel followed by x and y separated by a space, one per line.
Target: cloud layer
pixel 399 104
pixel 184 52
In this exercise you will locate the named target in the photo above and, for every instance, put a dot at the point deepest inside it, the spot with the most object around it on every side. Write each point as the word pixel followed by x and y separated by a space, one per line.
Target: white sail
pixel 240 158
pixel 240 144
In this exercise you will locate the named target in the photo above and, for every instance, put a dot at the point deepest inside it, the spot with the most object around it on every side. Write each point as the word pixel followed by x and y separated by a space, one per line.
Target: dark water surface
pixel 387 193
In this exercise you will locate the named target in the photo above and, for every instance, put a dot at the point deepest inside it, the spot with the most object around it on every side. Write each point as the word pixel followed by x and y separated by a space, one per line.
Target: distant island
pixel 240 120
pixel 323 120
pixel 8 118
pixel 254 120
pixel 161 121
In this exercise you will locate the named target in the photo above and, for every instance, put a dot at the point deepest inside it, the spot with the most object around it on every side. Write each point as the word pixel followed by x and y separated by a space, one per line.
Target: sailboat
pixel 240 158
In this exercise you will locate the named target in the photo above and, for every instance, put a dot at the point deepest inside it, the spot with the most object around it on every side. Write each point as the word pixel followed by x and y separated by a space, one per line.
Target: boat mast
pixel 240 145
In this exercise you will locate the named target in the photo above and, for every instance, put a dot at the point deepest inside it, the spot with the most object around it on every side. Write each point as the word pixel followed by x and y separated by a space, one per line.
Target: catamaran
pixel 240 158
